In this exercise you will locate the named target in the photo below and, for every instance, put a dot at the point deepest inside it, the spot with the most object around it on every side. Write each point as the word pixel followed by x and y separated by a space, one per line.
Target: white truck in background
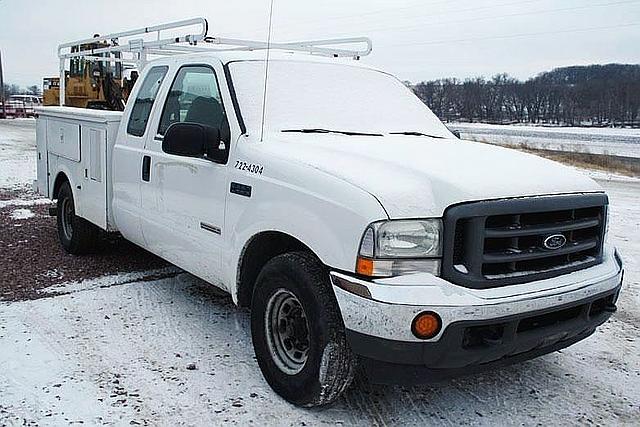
pixel 356 227
pixel 21 105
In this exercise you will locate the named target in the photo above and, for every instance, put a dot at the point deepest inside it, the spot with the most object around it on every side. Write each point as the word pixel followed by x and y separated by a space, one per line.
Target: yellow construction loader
pixel 91 83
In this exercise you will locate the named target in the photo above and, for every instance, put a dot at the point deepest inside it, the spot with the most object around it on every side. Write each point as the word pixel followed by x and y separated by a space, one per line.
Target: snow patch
pixel 20 214
pixel 52 274
pixel 461 268
pixel 301 95
pixel 618 142
pixel 23 202
pixel 18 146
pixel 608 176
pixel 108 280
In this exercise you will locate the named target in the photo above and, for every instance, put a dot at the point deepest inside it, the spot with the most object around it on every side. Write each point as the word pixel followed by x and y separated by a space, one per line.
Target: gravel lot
pixel 32 258
pixel 120 338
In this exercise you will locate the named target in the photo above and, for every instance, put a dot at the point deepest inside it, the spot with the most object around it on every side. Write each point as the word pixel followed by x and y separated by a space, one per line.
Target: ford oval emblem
pixel 555 241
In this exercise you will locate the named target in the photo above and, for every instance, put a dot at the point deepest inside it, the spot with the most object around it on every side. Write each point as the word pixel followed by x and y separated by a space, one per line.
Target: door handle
pixel 146 168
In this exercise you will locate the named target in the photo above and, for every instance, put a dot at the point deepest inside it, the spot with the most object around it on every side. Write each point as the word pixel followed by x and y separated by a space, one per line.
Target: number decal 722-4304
pixel 249 167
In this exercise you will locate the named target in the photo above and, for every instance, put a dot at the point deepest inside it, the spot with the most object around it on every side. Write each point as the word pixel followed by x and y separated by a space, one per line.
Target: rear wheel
pixel 298 333
pixel 77 235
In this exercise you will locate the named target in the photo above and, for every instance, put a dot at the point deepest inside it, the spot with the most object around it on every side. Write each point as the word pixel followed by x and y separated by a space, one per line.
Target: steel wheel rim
pixel 67 218
pixel 287 332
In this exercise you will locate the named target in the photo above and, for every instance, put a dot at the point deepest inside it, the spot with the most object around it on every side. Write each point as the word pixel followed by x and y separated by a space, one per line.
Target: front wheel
pixel 298 333
pixel 77 235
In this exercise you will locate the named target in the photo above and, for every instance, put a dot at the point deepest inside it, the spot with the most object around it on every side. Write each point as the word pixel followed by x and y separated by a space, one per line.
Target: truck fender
pixel 65 174
pixel 321 239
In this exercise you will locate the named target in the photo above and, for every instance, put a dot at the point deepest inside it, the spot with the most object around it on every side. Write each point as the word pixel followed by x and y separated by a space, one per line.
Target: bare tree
pixel 597 95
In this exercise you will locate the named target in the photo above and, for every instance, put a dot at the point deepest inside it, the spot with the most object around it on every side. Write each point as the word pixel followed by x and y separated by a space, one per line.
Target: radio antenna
pixel 266 73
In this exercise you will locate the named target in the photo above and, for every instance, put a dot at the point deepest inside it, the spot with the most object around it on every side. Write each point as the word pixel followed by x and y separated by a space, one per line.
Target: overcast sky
pixel 414 39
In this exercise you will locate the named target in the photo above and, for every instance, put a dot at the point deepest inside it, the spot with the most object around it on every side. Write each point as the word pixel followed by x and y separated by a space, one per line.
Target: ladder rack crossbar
pixel 308 46
pixel 188 43
pixel 137 45
pixel 321 47
pixel 146 30
pixel 110 59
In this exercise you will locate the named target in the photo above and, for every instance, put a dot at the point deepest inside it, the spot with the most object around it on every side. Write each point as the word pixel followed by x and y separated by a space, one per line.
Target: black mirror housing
pixel 195 140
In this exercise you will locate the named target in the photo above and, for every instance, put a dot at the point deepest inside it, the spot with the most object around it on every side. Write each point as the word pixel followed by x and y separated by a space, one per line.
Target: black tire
pixel 77 235
pixel 330 365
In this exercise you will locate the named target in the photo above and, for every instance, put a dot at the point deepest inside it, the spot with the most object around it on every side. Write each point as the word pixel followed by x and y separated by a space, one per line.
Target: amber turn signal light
pixel 426 325
pixel 364 266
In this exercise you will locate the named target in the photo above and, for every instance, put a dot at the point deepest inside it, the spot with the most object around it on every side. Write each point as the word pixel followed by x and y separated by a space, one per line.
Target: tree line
pixel 13 89
pixel 595 95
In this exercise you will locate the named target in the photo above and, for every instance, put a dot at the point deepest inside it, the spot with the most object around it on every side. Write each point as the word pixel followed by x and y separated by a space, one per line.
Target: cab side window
pixel 195 98
pixel 144 101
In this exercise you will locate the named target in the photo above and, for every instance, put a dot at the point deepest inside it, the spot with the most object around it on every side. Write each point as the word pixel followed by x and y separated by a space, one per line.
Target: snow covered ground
pixel 619 142
pixel 17 153
pixel 126 349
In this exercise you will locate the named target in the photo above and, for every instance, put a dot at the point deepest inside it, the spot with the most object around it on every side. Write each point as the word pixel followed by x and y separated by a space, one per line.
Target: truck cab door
pixel 128 156
pixel 184 199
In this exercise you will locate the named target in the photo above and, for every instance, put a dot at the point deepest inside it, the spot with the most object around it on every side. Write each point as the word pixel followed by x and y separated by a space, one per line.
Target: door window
pixel 195 98
pixel 144 101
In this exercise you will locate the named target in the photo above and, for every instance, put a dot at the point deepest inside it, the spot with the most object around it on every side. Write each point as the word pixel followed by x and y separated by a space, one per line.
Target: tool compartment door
pixel 42 181
pixel 94 163
pixel 63 138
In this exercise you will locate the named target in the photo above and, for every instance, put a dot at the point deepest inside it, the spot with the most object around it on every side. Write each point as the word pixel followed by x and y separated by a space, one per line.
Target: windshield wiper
pixel 417 134
pixel 341 132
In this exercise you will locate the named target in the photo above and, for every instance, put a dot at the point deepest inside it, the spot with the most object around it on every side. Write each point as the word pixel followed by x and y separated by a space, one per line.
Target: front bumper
pixel 481 328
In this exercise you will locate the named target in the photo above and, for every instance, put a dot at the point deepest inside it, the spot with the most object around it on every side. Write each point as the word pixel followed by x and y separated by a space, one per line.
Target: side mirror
pixel 195 140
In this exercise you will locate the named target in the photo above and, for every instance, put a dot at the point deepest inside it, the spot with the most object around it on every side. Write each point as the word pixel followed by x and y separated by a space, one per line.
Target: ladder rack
pixel 133 48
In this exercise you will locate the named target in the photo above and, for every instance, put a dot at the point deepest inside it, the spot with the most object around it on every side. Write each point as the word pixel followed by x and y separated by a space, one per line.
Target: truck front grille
pixel 496 243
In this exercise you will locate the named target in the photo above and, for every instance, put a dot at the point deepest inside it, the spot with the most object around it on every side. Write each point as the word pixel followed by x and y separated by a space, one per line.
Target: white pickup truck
pixel 358 230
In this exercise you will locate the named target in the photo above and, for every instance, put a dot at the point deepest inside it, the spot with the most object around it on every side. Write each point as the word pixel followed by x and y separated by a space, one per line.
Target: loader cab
pixel 95 70
pixel 90 83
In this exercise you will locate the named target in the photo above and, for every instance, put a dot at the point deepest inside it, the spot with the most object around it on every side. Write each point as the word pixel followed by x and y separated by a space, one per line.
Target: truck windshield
pixel 330 98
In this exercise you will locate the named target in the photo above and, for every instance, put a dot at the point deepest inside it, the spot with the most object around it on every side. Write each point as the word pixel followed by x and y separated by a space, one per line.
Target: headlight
pixel 393 248
pixel 408 239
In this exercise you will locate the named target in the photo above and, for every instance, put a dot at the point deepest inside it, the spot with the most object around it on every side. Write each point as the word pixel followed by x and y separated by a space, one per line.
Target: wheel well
pixel 256 253
pixel 60 179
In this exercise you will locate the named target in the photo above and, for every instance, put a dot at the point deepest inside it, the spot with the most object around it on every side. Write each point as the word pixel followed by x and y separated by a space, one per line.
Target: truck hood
pixel 420 176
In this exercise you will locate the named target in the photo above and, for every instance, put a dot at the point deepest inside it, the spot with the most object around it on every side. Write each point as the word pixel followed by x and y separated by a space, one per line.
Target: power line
pixel 535 12
pixel 513 36
pixel 510 15
pixel 379 11
pixel 472 9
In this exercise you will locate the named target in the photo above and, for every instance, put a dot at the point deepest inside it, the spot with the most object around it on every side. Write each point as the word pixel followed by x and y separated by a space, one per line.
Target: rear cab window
pixel 144 101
